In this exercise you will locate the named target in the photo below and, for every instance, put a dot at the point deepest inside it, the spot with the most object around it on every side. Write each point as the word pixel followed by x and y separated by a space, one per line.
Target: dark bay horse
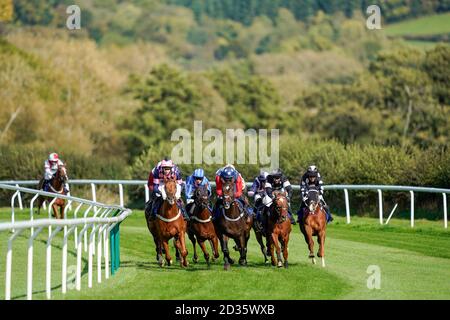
pixel 232 223
pixel 279 229
pixel 314 223
pixel 200 226
pixel 56 186
pixel 169 223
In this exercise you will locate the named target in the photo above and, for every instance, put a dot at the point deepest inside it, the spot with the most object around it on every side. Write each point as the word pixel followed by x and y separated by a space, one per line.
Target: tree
pixel 6 10
pixel 168 102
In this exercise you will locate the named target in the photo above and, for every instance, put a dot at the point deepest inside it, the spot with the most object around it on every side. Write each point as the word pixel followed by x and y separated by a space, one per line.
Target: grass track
pixel 414 264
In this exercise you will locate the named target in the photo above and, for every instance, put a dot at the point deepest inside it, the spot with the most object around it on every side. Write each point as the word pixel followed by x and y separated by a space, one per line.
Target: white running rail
pixel 99 222
pixel 378 188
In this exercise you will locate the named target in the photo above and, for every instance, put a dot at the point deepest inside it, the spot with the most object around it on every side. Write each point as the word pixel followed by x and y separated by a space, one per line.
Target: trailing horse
pixel 56 186
pixel 168 224
pixel 232 223
pixel 313 222
pixel 200 226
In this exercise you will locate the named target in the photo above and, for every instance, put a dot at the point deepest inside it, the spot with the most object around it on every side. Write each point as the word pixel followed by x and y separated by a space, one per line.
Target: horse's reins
pixel 169 200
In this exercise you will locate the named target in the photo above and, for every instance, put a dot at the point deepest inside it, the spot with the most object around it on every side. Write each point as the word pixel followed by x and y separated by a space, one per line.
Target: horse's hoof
pixel 236 248
pixel 274 263
pixel 231 261
pixel 323 262
pixel 279 264
pixel 226 266
pixel 266 261
pixel 194 260
pixel 169 262
pixel 242 262
pixel 286 264
pixel 313 260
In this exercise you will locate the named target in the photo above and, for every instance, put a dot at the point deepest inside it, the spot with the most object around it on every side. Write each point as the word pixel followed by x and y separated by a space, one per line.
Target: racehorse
pixel 260 229
pixel 56 186
pixel 200 226
pixel 232 223
pixel 169 223
pixel 314 223
pixel 279 229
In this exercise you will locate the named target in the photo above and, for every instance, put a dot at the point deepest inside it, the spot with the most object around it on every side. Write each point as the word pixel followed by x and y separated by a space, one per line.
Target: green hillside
pixel 428 25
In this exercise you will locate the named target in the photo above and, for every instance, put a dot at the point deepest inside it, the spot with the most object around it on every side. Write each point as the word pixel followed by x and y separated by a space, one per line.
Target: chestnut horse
pixel 169 223
pixel 232 223
pixel 56 186
pixel 279 229
pixel 314 223
pixel 200 226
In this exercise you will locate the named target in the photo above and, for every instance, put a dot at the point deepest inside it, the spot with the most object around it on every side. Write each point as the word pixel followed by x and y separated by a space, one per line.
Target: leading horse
pixel 279 228
pixel 314 223
pixel 169 223
pixel 56 186
pixel 200 226
pixel 232 223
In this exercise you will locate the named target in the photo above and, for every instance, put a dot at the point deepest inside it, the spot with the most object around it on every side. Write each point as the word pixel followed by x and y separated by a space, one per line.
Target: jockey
pixel 229 173
pixel 258 191
pixel 277 181
pixel 194 181
pixel 50 168
pixel 312 179
pixel 165 169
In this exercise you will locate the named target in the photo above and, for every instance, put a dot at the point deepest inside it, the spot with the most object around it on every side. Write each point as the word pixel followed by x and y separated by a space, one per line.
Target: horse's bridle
pixel 227 199
pixel 281 212
pixel 313 204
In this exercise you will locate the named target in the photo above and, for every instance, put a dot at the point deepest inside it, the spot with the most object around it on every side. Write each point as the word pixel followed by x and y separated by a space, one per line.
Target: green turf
pixel 428 25
pixel 414 264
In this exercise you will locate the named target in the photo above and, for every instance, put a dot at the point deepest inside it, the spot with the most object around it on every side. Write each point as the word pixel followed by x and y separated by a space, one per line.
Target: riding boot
pixel 329 216
pixel 291 218
pixel 46 185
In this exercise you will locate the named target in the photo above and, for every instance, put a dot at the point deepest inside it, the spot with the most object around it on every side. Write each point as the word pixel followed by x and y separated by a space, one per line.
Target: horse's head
pixel 313 200
pixel 61 174
pixel 201 196
pixel 170 189
pixel 280 205
pixel 228 193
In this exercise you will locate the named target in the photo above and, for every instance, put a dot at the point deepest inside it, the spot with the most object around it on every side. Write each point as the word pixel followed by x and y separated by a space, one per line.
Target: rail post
pixel 412 208
pixel 380 205
pixel 347 206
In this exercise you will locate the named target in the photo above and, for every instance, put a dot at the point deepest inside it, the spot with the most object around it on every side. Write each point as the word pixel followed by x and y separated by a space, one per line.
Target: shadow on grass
pixel 200 266
pixel 84 271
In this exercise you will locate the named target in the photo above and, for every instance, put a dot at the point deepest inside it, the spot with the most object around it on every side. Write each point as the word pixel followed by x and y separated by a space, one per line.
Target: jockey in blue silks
pixel 194 181
pixel 258 192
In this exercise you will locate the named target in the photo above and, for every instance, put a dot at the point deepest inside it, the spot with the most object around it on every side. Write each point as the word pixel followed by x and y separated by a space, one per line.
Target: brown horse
pixel 232 223
pixel 200 226
pixel 56 186
pixel 314 223
pixel 279 229
pixel 169 223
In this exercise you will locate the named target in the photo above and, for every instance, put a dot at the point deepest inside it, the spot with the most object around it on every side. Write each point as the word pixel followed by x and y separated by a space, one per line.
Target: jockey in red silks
pixel 229 173
pixel 165 169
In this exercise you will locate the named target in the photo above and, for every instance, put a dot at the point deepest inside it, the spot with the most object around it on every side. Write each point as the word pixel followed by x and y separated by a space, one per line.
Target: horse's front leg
pixel 310 241
pixel 278 250
pixel 321 252
pixel 165 244
pixel 285 249
pixel 55 211
pixel 243 250
pixel 226 254
pixel 191 236
pixel 215 247
pixel 205 251
pixel 261 244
